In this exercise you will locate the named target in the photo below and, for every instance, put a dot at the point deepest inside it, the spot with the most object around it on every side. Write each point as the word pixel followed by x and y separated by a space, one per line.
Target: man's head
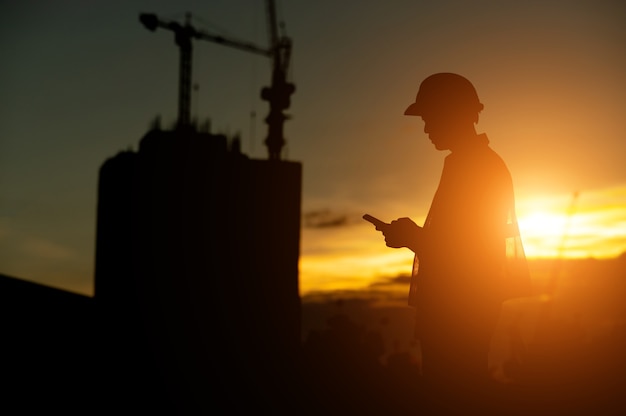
pixel 449 105
pixel 448 93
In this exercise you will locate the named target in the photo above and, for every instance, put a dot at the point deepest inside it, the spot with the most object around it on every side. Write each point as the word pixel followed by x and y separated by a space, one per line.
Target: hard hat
pixel 445 92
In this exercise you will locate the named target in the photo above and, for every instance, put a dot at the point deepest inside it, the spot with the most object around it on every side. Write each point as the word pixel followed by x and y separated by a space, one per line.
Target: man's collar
pixel 470 143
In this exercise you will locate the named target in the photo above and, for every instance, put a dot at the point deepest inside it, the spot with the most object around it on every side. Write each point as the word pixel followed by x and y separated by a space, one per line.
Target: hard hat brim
pixel 413 110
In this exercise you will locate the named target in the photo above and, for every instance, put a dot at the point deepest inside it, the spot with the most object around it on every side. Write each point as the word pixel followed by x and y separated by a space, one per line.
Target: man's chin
pixel 439 146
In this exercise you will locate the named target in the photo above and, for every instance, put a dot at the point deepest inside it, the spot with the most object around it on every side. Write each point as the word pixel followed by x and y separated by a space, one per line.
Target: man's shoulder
pixel 494 164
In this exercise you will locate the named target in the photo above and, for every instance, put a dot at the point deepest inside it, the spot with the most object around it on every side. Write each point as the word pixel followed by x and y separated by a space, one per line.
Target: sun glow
pixel 591 224
pixel 543 233
pixel 354 255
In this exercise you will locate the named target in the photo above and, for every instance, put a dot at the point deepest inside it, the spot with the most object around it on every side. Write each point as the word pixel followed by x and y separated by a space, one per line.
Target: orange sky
pixel 354 255
pixel 551 74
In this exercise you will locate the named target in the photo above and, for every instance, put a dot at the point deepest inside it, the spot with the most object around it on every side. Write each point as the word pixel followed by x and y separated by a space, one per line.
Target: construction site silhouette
pixel 197 307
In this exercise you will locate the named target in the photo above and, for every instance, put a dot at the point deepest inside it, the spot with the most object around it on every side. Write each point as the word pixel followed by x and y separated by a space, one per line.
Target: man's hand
pixel 402 232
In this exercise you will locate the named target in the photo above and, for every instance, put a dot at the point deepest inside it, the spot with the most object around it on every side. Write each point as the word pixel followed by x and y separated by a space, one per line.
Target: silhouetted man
pixel 459 281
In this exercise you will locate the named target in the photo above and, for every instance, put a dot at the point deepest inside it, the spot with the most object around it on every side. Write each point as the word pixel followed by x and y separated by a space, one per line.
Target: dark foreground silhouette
pixel 358 363
pixel 352 360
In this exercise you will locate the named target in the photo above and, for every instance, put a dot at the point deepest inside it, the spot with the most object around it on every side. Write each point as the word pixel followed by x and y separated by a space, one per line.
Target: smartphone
pixel 380 225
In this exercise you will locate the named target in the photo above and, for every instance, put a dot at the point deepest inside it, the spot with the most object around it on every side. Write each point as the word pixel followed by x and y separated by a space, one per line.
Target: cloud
pixel 323 219
pixel 391 281
pixel 366 297
pixel 328 218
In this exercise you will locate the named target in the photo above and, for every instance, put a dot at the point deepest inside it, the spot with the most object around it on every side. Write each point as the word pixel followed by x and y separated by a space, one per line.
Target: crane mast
pixel 183 40
pixel 277 94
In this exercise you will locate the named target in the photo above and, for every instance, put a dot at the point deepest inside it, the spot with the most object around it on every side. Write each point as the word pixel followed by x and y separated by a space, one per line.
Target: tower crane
pixel 277 94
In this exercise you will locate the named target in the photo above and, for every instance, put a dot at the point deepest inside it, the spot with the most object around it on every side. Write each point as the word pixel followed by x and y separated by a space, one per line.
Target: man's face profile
pixel 445 128
pixel 434 127
pixel 440 129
